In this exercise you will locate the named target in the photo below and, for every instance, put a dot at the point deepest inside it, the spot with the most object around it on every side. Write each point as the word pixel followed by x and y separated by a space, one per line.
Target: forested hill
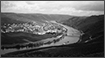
pixel 34 17
pixel 82 23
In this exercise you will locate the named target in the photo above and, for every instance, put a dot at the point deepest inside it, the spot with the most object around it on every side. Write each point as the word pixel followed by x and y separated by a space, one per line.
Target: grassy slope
pixel 12 38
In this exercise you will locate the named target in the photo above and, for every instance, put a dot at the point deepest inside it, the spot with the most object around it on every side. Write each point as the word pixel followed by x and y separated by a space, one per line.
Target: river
pixel 72 37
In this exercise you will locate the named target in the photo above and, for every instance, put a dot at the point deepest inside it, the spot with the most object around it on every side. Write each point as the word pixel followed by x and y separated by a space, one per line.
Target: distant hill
pixel 41 18
pixel 82 23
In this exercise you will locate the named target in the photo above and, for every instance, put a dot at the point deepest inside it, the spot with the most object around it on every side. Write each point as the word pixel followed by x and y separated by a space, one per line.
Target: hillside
pixel 35 17
pixel 83 23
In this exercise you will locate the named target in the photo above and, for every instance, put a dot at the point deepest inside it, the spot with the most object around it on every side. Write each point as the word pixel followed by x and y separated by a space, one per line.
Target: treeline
pixel 31 45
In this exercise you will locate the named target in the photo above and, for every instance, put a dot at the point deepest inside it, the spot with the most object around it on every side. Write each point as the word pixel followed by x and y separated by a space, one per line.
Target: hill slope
pixel 35 17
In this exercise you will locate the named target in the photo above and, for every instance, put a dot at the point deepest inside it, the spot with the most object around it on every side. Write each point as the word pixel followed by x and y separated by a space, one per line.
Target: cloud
pixel 17 6
pixel 85 5
pixel 7 4
pixel 54 7
pixel 92 6
pixel 30 2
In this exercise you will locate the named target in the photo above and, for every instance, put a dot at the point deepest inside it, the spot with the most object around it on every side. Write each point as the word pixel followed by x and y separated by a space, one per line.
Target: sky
pixel 77 8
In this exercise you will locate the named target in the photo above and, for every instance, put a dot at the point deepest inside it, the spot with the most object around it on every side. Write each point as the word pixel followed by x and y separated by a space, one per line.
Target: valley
pixel 42 35
pixel 54 41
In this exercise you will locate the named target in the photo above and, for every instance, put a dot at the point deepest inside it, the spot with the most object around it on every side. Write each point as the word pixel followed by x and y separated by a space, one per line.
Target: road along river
pixel 71 37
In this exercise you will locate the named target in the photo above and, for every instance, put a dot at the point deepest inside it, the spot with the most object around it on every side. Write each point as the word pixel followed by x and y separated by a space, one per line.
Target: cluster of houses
pixel 34 28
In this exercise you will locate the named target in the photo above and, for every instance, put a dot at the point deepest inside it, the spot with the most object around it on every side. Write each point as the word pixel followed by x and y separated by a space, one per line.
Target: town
pixel 32 27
